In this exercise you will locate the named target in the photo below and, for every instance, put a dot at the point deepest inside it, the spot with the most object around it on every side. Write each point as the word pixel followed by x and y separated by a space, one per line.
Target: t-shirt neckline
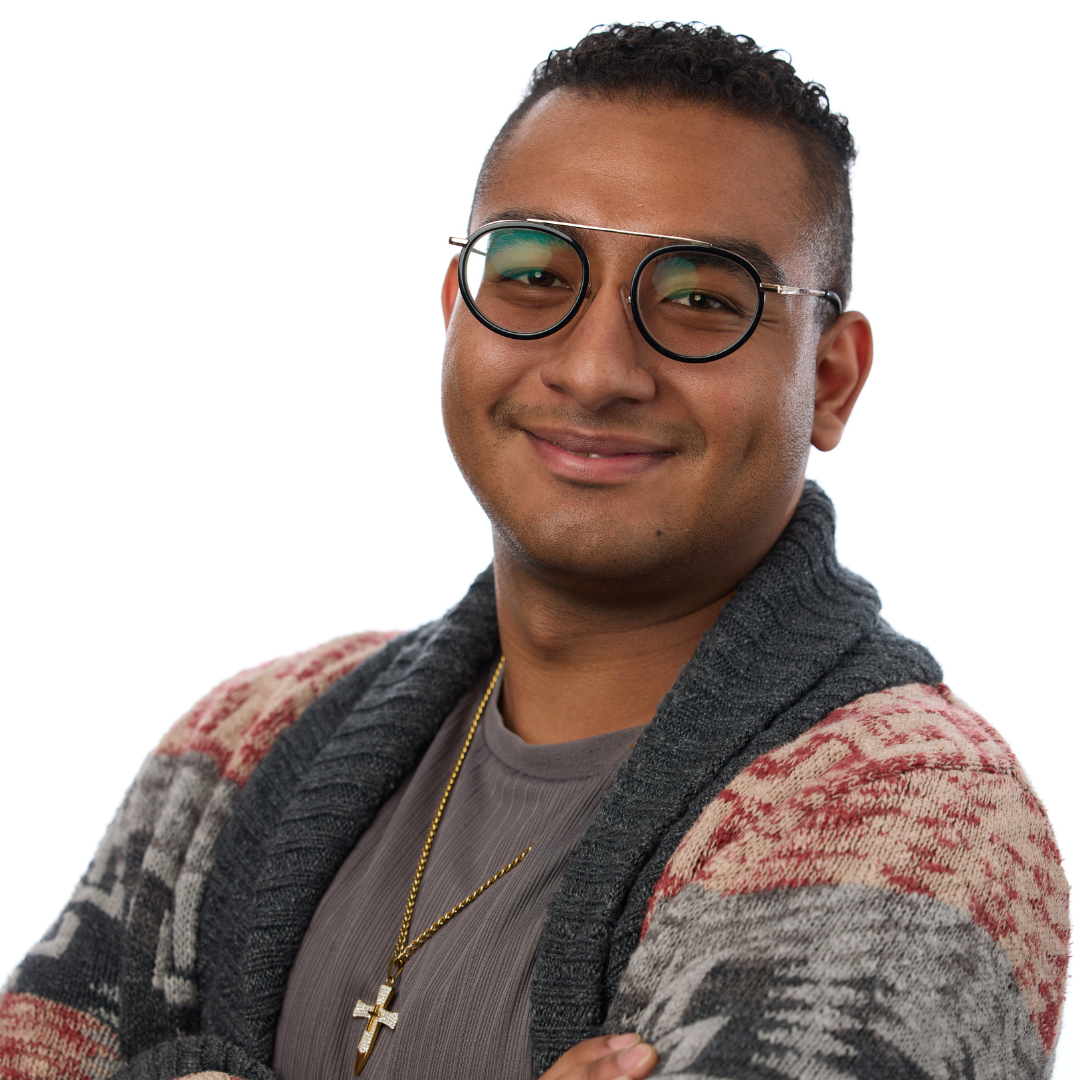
pixel 554 761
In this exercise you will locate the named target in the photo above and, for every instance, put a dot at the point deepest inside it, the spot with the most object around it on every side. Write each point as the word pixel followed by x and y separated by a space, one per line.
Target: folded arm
pixel 880 897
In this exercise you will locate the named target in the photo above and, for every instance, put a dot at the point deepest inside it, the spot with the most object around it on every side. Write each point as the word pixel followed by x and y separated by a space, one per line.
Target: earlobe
pixel 845 353
pixel 449 291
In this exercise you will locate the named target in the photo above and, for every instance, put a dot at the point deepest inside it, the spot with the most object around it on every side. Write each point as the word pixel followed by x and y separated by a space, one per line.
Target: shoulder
pixel 907 792
pixel 237 723
pixel 913 756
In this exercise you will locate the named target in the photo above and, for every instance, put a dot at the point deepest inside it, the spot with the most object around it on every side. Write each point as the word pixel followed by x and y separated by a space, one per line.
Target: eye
pixel 699 301
pixel 538 277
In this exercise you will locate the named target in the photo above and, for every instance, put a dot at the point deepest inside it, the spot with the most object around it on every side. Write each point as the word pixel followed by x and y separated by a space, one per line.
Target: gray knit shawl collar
pixel 802 637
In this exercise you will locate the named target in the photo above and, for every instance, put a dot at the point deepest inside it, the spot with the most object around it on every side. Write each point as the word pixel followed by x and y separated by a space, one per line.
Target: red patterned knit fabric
pixel 886 880
pixel 238 722
pixel 42 1039
pixel 906 792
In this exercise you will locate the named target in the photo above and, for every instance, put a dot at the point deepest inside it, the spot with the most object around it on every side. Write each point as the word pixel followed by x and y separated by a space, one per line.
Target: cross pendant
pixel 375 1015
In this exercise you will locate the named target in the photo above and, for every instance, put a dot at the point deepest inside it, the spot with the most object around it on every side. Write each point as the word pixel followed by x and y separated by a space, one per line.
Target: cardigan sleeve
pixel 880 897
pixel 115 976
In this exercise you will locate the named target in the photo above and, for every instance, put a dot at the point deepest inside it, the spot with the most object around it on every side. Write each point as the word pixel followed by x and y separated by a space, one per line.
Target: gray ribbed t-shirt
pixel 463 998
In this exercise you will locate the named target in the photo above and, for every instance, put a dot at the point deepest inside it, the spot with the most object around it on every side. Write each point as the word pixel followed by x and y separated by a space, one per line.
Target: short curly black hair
pixel 677 63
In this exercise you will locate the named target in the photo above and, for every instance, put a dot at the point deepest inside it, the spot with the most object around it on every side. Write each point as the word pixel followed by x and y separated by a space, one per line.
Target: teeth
pixel 594 455
pixel 581 453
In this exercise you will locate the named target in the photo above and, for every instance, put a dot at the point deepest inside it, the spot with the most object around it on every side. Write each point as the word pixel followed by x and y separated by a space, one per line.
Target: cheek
pixel 457 393
pixel 756 413
pixel 478 371
pixel 480 367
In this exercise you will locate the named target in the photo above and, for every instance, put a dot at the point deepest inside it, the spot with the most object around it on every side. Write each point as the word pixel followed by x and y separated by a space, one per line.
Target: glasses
pixel 691 301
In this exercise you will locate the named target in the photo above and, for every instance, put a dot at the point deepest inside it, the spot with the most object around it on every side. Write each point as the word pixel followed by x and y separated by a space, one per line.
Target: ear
pixel 449 290
pixel 845 353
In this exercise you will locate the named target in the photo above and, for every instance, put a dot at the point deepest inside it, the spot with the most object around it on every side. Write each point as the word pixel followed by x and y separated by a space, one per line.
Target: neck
pixel 576 669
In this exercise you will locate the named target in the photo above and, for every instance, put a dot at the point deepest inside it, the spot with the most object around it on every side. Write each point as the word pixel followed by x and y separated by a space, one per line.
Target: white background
pixel 222 233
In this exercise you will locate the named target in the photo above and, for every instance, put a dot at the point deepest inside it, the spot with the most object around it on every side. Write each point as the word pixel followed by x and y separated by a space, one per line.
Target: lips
pixel 595 457
pixel 596 445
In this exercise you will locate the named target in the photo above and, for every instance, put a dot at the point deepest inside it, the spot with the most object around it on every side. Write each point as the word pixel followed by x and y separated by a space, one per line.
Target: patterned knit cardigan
pixel 817 862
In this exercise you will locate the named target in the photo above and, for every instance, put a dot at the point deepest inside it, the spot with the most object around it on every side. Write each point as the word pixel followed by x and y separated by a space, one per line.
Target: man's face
pixel 602 464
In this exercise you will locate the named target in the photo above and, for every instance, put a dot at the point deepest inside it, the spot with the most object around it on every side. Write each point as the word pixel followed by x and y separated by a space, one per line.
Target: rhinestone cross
pixel 375 1015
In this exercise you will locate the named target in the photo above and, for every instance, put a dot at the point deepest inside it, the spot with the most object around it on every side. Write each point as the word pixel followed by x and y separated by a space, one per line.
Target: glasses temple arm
pixel 797 290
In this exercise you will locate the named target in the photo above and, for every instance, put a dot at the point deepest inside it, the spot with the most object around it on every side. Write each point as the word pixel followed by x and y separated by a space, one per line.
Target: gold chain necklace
pixel 378 1014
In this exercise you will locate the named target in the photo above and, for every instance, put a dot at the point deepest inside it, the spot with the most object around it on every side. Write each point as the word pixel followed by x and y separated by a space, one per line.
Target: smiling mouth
pixel 592 446
pixel 612 454
pixel 608 457
pixel 595 459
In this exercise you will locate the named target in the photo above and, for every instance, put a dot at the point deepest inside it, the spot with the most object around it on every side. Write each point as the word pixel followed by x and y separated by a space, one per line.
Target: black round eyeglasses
pixel 691 301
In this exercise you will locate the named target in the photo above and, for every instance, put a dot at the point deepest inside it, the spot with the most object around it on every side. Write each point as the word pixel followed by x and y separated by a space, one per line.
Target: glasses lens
pixel 696 303
pixel 523 280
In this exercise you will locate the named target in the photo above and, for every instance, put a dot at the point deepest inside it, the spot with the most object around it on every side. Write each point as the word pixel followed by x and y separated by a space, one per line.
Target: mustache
pixel 509 416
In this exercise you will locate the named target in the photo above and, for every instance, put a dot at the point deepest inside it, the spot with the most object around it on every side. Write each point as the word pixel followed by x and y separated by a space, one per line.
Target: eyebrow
pixel 748 249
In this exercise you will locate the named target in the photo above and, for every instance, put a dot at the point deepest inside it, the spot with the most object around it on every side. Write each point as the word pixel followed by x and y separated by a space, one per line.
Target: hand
pixel 608 1057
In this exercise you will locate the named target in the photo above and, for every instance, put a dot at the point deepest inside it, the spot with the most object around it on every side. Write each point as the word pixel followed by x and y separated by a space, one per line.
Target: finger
pixel 613 1057
pixel 578 1057
pixel 633 1063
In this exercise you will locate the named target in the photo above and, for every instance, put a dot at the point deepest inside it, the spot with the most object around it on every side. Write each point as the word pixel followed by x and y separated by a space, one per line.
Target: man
pixel 663 795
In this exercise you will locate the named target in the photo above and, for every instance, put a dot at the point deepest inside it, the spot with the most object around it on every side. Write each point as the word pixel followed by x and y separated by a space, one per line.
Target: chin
pixel 598 557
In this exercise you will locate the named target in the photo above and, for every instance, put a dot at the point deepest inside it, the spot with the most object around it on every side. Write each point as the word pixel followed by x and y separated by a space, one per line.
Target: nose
pixel 600 358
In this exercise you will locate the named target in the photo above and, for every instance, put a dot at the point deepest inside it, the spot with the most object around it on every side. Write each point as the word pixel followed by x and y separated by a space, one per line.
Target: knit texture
pixel 178 943
pixel 881 896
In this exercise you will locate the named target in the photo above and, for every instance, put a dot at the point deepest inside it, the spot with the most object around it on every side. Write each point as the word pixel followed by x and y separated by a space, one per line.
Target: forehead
pixel 681 169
